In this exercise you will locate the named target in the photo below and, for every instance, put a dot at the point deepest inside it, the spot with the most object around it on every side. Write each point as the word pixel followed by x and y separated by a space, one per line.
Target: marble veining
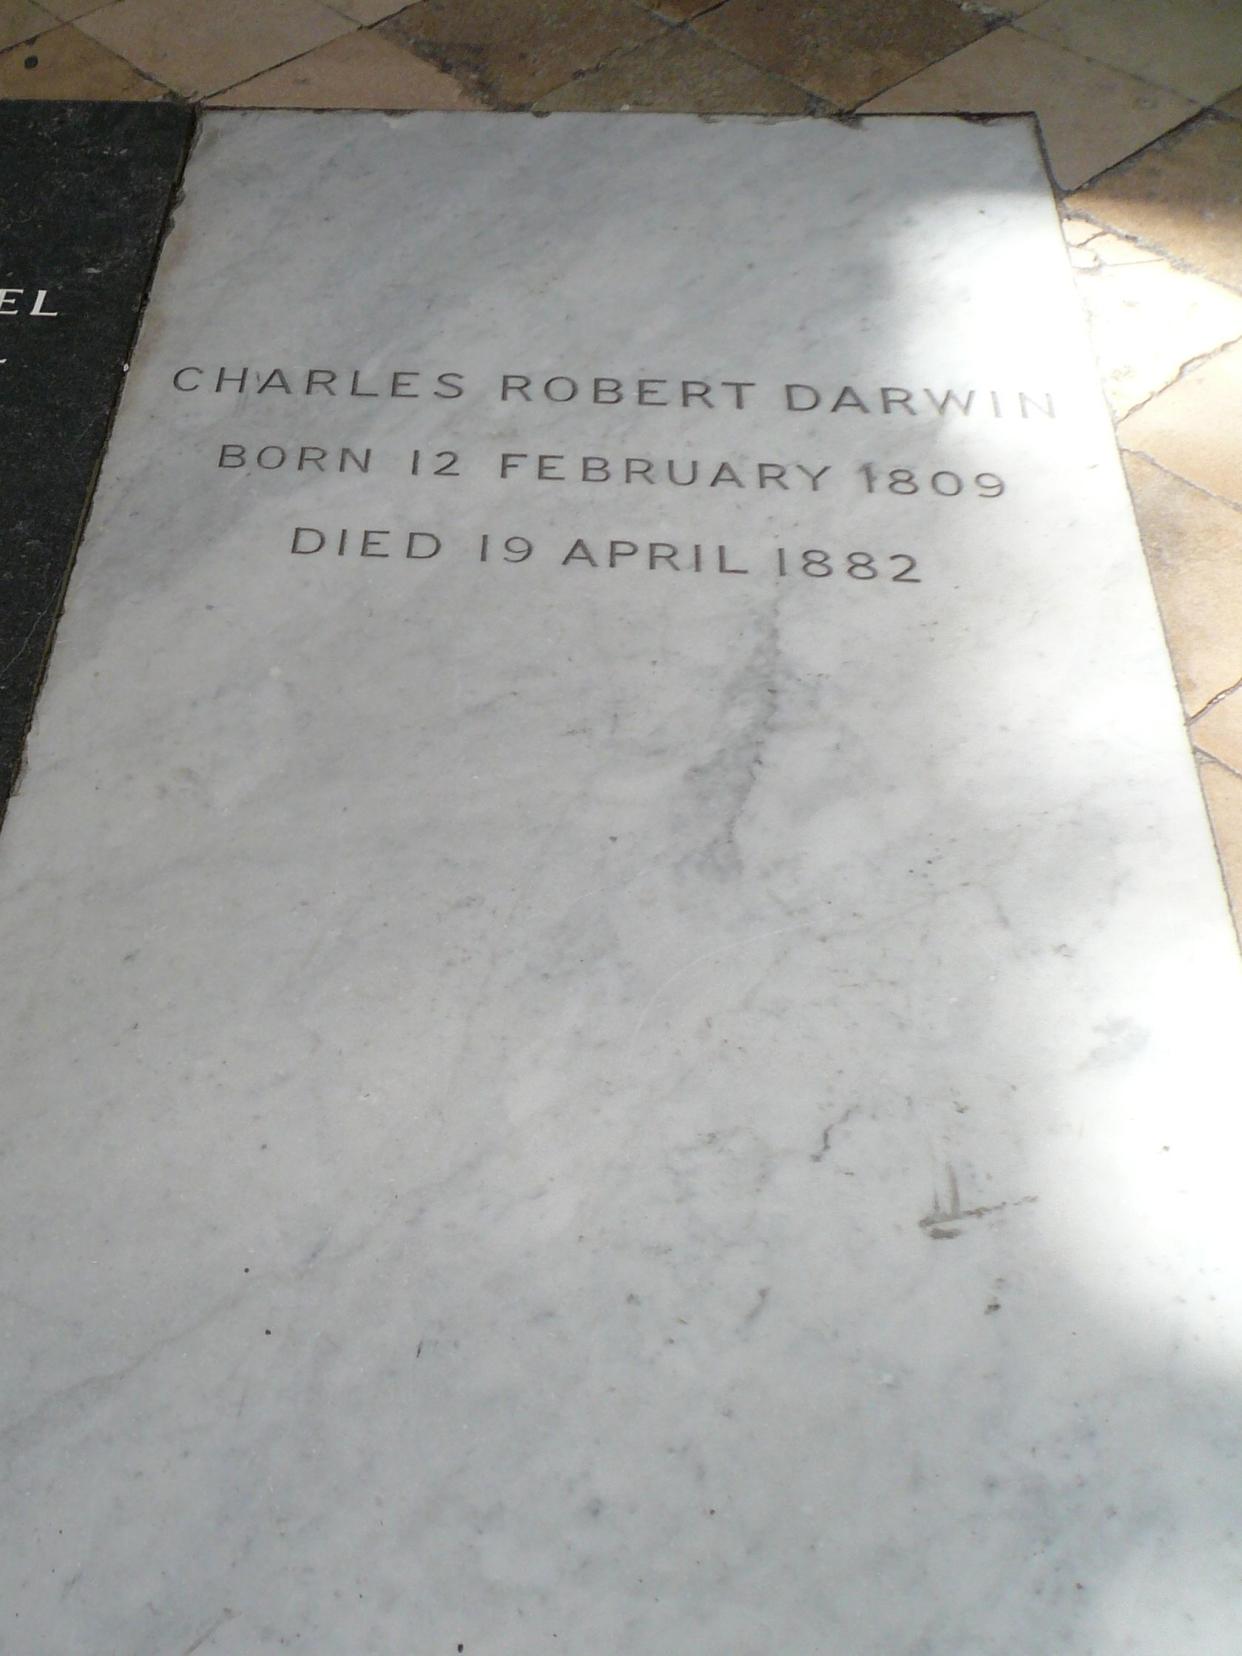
pixel 588 1099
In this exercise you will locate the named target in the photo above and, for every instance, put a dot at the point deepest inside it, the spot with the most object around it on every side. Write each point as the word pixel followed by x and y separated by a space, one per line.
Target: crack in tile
pixel 826 1135
pixel 1213 700
pixel 1079 211
pixel 1189 366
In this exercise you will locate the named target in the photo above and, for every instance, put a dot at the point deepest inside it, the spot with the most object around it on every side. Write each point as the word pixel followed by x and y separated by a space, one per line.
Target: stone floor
pixel 1139 101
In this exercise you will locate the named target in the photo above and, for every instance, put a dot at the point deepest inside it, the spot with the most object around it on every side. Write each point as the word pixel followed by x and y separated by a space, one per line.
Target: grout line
pixel 31 45
pixel 1224 764
pixel 618 52
pixel 1075 210
pixel 994 26
pixel 678 22
pixel 490 100
pixel 200 98
pixel 818 104
pixel 1202 113
pixel 169 94
pixel 717 5
pixel 1114 68
pixel 364 28
pixel 1235 909
pixel 1199 488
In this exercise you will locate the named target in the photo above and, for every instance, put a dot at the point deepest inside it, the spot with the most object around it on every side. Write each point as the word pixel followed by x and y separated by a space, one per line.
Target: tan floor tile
pixel 847 51
pixel 1219 731
pixel 1091 116
pixel 358 71
pixel 367 11
pixel 1192 428
pixel 679 71
pixel 20 20
pixel 1223 792
pixel 513 51
pixel 65 64
pixel 1183 195
pixel 70 9
pixel 1191 46
pixel 197 49
pixel 1191 542
pixel 1148 320
pixel 1232 105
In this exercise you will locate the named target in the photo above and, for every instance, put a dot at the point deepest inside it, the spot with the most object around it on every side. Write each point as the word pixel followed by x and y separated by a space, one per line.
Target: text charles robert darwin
pixel 603 390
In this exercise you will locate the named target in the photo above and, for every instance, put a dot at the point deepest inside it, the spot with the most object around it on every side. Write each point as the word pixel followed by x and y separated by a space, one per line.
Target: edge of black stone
pixel 87 193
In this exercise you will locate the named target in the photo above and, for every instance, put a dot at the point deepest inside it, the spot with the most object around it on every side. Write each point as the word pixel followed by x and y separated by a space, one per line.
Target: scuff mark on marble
pixel 938 1221
pixel 210 1633
pixel 757 1307
pixel 725 781
pixel 735 946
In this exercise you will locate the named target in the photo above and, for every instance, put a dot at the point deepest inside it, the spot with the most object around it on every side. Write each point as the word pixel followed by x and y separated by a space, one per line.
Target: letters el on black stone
pixel 84 194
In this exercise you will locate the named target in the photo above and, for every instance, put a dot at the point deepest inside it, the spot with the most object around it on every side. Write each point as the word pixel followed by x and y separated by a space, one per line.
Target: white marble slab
pixel 618 1110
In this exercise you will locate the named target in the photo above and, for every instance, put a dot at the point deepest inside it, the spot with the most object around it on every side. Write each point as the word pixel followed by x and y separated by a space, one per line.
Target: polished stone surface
pixel 84 189
pixel 605 1099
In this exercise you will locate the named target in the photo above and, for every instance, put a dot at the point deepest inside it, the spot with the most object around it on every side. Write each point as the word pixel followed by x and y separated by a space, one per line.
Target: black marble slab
pixel 85 191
